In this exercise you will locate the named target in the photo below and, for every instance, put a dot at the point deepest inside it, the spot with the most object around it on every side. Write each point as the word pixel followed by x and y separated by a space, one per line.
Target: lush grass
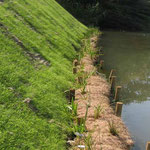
pixel 45 28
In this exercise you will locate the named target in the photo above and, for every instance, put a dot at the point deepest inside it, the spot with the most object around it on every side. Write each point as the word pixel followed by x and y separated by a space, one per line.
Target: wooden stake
pixel 117 93
pixel 111 73
pixel 75 62
pixel 118 109
pixel 101 64
pixel 74 70
pixel 148 146
pixel 72 95
pixel 112 83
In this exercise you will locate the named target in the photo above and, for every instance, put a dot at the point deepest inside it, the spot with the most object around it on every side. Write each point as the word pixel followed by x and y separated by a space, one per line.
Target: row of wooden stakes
pixel 118 109
pixel 112 79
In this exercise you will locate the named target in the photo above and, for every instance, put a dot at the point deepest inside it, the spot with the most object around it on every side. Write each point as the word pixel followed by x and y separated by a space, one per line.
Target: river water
pixel 129 54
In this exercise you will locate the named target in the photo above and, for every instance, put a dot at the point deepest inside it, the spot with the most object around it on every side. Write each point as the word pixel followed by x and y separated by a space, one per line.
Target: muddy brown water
pixel 129 54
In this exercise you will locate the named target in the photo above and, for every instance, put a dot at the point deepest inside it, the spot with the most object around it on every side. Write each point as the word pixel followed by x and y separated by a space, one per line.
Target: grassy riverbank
pixel 38 42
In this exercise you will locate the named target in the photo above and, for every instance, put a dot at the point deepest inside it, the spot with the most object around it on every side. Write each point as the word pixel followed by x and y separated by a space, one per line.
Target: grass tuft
pixel 112 128
pixel 97 111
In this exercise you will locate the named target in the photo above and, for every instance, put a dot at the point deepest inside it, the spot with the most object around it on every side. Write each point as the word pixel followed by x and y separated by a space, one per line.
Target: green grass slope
pixel 38 41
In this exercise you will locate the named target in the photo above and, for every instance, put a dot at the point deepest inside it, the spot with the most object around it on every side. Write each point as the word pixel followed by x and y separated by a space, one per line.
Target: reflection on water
pixel 129 54
pixel 137 118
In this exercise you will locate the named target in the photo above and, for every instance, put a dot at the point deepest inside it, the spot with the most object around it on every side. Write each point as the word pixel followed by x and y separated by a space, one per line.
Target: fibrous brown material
pixel 97 94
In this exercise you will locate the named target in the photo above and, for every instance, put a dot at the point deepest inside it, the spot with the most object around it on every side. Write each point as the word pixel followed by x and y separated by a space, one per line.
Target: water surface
pixel 129 54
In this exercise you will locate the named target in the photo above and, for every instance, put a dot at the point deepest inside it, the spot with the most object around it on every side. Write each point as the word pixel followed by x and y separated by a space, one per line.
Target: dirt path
pixel 105 130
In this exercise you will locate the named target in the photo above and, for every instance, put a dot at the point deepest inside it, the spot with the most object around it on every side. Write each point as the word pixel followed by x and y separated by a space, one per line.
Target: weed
pixel 85 96
pixel 84 82
pixel 92 54
pixel 97 111
pixel 79 126
pixel 80 123
pixel 84 86
pixel 89 103
pixel 88 142
pixel 87 107
pixel 82 77
pixel 112 128
pixel 74 108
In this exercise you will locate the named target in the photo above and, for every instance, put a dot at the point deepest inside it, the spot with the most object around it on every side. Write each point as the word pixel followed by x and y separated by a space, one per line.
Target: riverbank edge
pixel 104 130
